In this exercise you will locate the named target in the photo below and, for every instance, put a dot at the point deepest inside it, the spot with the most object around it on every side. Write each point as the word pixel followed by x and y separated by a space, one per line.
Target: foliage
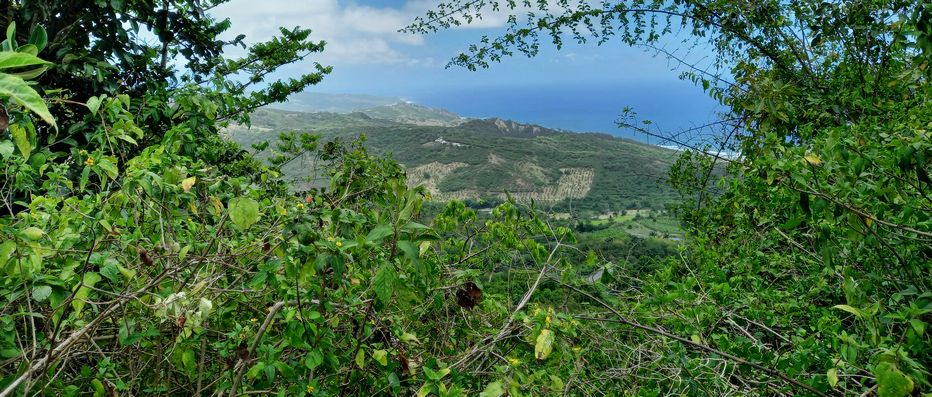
pixel 810 253
pixel 144 254
pixel 150 56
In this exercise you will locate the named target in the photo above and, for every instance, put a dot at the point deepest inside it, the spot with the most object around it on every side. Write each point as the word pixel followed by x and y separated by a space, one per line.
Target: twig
pixel 623 320
pixel 66 344
pixel 241 363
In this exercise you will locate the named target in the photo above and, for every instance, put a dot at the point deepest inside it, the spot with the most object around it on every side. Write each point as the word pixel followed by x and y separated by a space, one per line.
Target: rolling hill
pixel 489 159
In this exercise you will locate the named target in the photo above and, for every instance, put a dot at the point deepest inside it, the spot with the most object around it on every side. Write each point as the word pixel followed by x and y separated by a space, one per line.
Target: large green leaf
pixel 853 310
pixel 6 149
pixel 380 232
pixel 41 293
pixel 22 140
pixel 6 251
pixel 39 37
pixel 18 91
pixel 244 212
pixel 891 382
pixel 494 389
pixel 384 282
pixel 189 360
pixel 10 60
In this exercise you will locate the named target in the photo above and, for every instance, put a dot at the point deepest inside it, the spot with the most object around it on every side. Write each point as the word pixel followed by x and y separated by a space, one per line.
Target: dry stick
pixel 42 363
pixel 699 346
pixel 862 213
pixel 241 363
pixel 200 366
pixel 506 327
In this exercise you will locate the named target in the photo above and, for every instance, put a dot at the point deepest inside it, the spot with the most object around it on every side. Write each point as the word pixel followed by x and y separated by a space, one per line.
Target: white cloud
pixel 354 33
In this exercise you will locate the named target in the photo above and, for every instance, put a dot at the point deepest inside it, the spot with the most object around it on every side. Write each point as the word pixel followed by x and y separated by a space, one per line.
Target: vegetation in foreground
pixel 144 255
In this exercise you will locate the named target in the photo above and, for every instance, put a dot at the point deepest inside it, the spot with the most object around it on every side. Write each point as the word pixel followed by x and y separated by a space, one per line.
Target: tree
pixel 154 53
pixel 143 254
pixel 822 224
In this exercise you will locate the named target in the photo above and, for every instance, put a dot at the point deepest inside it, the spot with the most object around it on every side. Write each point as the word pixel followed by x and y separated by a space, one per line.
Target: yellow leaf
pixel 187 183
pixel 832 377
pixel 869 221
pixel 218 206
pixel 381 357
pixel 544 344
pixel 813 160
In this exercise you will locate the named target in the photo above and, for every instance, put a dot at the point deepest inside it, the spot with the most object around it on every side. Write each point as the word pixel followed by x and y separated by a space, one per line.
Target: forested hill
pixel 485 158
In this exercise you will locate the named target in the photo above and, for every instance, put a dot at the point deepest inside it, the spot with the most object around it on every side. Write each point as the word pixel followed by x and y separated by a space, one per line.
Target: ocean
pixel 669 106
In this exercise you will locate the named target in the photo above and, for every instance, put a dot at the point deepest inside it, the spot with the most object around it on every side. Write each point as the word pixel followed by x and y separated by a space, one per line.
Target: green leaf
pixel 41 293
pixel 21 93
pixel 244 212
pixel 11 34
pixel 183 252
pixel 891 382
pixel 380 232
pixel 424 390
pixel 255 370
pixel 98 388
pixel 853 310
pixel 30 74
pixel 6 149
pixel 380 356
pixel 544 345
pixel 93 104
pixel 494 389
pixel 28 49
pixel 189 360
pixel 313 359
pixel 21 137
pixel 384 282
pixel 111 271
pixel 109 167
pixel 832 375
pixel 557 382
pixel 410 250
pixel 15 60
pixel 6 251
pixel 33 233
pixel 90 278
pixel 436 375
pixel 361 359
pixel 414 226
pixel 409 337
pixel 10 352
pixel 918 325
pixel 128 273
pixel 39 37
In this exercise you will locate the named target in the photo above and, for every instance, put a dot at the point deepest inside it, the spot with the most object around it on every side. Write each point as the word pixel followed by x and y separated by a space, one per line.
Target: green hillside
pixel 487 158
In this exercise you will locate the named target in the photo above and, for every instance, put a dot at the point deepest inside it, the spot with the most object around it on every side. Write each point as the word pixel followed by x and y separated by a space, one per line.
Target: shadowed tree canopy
pixel 151 49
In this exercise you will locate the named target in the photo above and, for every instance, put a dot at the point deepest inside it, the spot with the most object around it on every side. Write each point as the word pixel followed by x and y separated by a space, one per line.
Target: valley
pixel 487 160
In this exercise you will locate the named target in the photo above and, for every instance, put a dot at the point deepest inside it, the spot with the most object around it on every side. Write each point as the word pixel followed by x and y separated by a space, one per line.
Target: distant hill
pixel 489 158
pixel 496 126
pixel 335 103
pixel 410 113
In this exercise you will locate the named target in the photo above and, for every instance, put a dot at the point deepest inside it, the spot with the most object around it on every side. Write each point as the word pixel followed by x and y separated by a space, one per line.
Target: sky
pixel 579 87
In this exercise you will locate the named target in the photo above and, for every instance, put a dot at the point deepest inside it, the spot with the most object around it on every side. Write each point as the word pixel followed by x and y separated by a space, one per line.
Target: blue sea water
pixel 670 106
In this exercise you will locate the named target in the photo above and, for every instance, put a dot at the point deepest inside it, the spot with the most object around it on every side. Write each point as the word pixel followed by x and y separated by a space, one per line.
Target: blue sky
pixel 580 87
